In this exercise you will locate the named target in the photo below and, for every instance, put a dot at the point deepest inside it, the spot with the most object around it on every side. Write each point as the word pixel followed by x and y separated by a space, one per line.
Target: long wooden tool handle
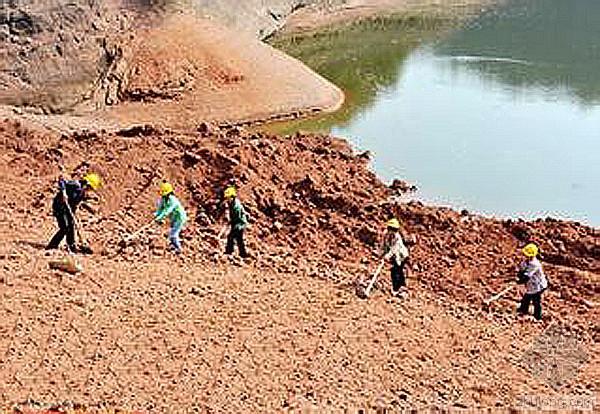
pixel 222 232
pixel 78 229
pixel 75 222
pixel 374 278
pixel 140 230
pixel 502 293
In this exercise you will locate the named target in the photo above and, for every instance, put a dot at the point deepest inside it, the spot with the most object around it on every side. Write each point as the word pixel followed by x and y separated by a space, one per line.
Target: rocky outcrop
pixel 55 52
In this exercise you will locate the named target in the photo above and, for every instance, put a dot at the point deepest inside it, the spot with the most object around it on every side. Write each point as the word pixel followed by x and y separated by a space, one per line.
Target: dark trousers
pixel 236 236
pixel 536 298
pixel 66 227
pixel 398 278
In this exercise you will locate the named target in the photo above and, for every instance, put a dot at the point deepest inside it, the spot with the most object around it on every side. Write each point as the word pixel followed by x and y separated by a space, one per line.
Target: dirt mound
pixel 307 194
pixel 285 330
pixel 187 69
pixel 139 61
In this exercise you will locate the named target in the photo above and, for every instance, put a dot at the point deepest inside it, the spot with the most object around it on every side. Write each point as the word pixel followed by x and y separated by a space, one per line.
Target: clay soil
pixel 187 70
pixel 141 329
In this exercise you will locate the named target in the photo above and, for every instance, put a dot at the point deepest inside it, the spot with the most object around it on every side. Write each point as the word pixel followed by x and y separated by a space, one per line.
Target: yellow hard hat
pixel 230 192
pixel 165 188
pixel 393 223
pixel 531 250
pixel 93 180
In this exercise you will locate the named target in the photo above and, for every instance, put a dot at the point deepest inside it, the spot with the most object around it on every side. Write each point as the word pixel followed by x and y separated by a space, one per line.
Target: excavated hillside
pixel 113 62
pixel 143 329
pixel 54 53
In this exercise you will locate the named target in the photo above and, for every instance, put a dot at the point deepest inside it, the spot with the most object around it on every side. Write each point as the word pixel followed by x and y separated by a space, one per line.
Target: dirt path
pixel 166 338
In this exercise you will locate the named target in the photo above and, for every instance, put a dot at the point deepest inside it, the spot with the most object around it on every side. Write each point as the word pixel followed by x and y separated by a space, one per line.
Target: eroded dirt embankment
pixel 115 62
pixel 120 62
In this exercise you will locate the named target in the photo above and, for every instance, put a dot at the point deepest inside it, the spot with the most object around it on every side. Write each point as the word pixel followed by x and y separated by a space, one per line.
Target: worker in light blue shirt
pixel 170 207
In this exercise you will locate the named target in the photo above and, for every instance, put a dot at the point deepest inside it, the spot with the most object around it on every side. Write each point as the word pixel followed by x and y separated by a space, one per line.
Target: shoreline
pixel 312 20
pixel 258 98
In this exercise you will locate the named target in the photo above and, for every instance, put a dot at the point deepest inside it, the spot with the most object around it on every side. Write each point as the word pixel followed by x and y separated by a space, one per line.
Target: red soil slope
pixel 186 70
pixel 142 329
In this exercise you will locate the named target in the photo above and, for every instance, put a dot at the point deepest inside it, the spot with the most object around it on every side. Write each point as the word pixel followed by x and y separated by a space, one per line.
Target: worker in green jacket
pixel 238 220
pixel 170 206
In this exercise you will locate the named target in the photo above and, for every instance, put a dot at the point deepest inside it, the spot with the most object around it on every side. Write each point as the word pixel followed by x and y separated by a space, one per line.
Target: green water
pixel 500 116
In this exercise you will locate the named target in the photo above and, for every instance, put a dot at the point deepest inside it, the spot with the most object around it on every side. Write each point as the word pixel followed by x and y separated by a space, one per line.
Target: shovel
pixel 67 264
pixel 222 232
pixel 497 296
pixel 366 291
pixel 85 247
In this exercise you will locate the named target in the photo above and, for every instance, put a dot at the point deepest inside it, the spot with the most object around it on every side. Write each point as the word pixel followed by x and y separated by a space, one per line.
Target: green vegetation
pixel 364 59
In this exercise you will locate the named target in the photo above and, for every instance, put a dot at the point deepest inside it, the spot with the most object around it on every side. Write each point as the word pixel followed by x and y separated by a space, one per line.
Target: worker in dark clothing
pixel 222 205
pixel 238 221
pixel 395 251
pixel 70 194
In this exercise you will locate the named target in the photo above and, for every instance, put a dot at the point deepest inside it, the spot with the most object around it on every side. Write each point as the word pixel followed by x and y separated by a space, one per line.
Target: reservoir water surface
pixel 500 116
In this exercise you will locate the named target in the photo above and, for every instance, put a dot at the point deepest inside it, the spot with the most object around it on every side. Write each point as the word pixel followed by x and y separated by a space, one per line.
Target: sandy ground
pixel 188 70
pixel 313 19
pixel 173 337
pixel 143 330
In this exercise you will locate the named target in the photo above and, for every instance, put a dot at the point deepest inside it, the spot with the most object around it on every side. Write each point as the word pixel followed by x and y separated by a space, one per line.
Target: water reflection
pixel 364 60
pixel 501 117
pixel 550 45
